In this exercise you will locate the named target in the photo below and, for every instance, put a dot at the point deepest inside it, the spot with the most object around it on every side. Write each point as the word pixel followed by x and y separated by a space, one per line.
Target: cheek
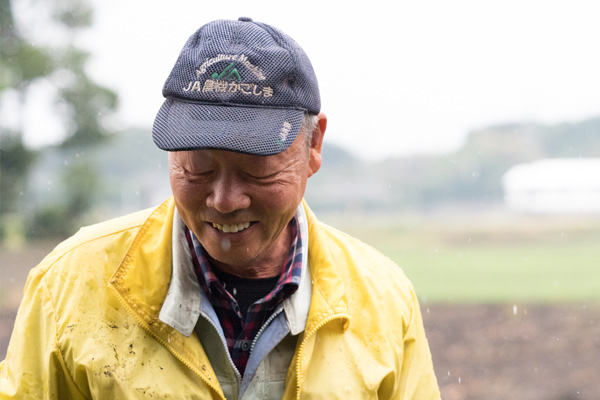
pixel 188 198
pixel 282 202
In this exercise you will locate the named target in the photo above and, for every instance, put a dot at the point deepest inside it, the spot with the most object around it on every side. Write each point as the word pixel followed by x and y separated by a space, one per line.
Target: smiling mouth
pixel 234 228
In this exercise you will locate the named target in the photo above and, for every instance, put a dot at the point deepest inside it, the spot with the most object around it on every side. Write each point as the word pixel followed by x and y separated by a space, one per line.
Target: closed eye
pixel 198 176
pixel 261 178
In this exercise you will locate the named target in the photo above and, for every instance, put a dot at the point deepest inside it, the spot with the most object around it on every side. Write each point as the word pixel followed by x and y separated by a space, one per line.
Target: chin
pixel 232 258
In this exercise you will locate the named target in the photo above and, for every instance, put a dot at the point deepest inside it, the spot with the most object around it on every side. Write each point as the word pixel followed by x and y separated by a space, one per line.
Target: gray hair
pixel 309 124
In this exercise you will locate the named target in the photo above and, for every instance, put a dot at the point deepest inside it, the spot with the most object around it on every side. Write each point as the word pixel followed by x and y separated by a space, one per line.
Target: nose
pixel 227 195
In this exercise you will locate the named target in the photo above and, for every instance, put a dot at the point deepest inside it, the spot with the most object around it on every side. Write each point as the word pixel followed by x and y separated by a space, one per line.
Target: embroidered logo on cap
pixel 229 80
pixel 230 73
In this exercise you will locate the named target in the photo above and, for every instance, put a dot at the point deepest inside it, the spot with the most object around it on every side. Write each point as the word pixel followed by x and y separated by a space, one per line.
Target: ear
pixel 314 162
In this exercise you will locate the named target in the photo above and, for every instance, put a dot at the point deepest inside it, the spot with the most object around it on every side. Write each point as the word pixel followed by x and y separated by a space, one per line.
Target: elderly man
pixel 231 289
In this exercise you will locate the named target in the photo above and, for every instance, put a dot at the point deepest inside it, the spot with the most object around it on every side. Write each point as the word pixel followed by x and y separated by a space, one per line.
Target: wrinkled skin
pixel 260 194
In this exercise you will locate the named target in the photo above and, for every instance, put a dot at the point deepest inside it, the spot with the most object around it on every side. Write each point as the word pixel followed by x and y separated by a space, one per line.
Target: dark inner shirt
pixel 244 290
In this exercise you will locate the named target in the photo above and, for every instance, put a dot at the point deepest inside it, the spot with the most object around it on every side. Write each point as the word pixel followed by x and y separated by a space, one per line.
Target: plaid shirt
pixel 240 333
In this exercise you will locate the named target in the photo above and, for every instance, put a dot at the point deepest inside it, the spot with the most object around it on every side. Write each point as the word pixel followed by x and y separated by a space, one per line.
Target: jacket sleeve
pixel 417 376
pixel 34 367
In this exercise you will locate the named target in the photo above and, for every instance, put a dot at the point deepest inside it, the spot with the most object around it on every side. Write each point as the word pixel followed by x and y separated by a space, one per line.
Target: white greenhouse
pixel 560 185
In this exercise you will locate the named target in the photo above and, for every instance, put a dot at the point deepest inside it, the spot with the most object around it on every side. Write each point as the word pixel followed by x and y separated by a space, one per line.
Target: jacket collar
pixel 329 293
pixel 181 308
pixel 143 278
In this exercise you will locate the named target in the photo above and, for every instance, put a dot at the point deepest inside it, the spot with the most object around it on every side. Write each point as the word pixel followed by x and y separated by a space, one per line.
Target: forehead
pixel 192 157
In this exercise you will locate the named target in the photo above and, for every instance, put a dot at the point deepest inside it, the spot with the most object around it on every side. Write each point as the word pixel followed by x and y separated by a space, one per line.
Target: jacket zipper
pixel 264 326
pixel 299 377
pixel 144 325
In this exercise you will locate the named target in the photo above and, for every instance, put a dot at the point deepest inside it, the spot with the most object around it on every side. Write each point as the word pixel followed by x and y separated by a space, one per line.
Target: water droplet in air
pixel 226 244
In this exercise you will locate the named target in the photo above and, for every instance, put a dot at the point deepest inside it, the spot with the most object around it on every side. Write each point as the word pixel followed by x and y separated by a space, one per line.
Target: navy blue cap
pixel 239 85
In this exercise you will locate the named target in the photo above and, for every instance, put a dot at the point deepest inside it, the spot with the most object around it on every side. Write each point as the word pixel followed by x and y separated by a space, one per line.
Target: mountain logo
pixel 230 73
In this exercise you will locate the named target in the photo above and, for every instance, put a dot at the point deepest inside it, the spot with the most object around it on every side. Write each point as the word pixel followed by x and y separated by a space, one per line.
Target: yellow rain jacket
pixel 89 327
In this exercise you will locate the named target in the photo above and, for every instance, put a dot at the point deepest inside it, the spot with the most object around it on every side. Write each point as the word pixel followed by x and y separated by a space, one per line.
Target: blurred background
pixel 463 142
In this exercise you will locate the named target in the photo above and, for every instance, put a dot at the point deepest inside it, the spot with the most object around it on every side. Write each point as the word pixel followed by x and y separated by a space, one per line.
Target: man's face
pixel 239 205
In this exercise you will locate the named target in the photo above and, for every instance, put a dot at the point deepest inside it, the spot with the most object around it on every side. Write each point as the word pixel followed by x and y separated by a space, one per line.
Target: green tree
pixel 82 104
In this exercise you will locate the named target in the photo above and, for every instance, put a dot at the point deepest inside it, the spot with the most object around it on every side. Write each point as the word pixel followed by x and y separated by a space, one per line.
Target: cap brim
pixel 254 130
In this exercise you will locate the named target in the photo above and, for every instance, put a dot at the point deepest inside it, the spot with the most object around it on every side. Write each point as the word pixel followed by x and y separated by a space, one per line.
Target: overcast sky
pixel 396 77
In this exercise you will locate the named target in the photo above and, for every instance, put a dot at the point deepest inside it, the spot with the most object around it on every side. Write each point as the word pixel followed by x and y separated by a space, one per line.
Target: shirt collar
pixel 296 306
pixel 289 276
